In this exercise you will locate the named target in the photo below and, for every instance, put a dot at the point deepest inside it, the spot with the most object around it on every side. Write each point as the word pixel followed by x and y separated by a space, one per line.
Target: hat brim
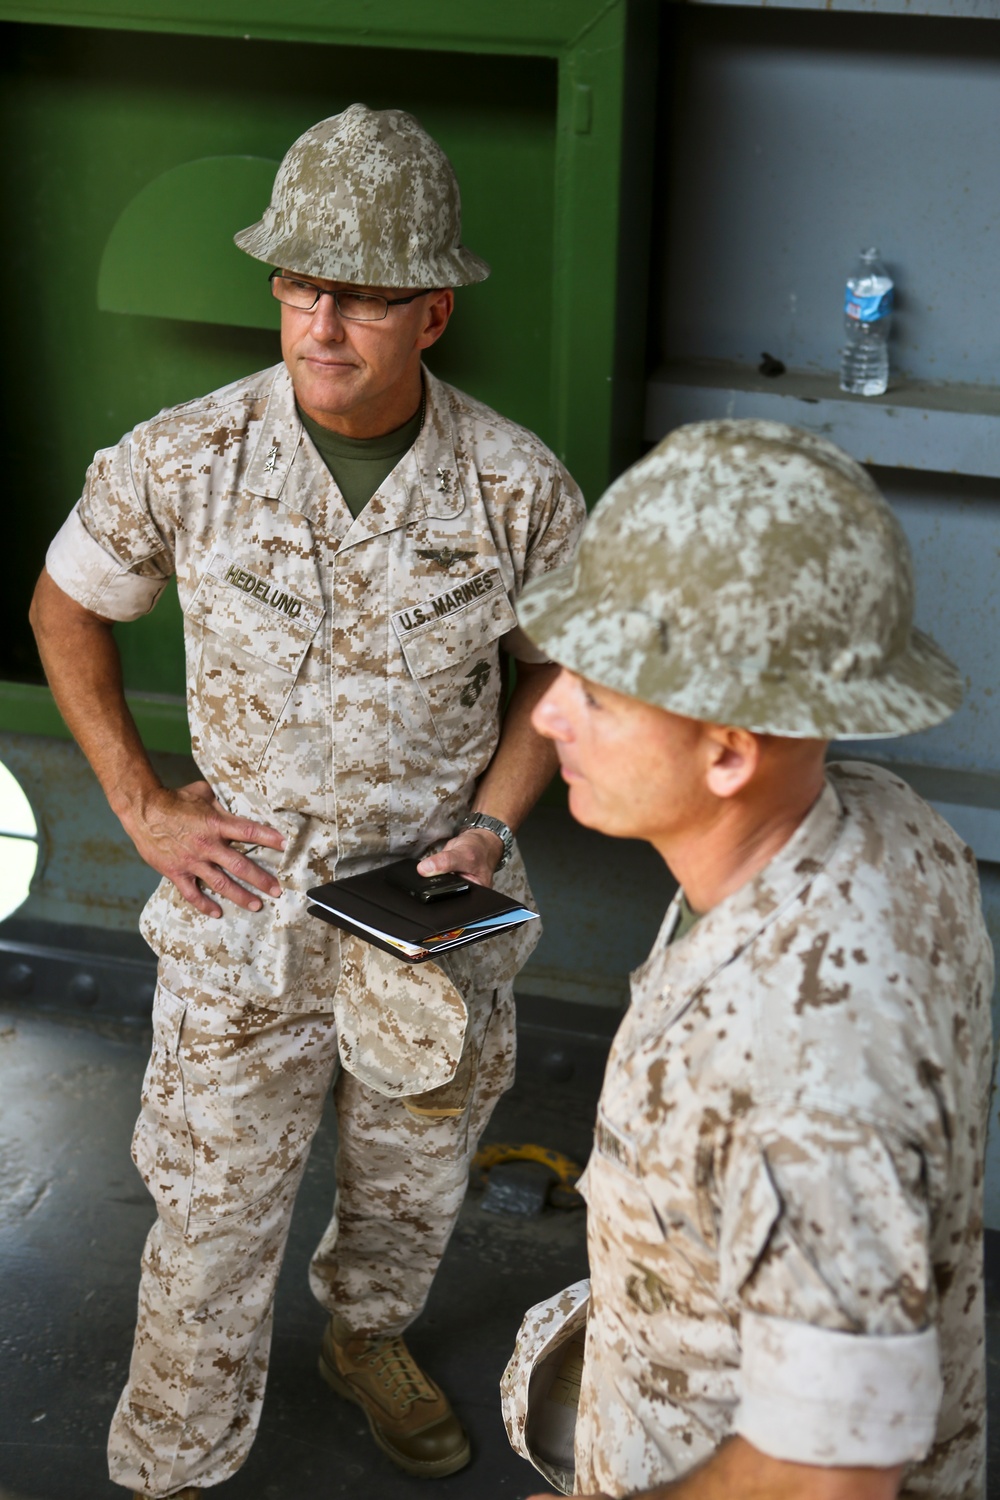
pixel 457 267
pixel 627 652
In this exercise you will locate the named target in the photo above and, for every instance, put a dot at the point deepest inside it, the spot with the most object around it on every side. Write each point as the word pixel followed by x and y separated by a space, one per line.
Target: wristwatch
pixel 492 825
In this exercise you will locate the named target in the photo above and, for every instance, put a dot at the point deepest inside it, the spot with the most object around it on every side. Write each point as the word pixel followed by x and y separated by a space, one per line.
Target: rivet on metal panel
pixel 19 979
pixel 84 989
pixel 557 1066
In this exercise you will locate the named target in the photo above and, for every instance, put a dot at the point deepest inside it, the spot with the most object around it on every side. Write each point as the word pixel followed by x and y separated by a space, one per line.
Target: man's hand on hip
pixel 188 836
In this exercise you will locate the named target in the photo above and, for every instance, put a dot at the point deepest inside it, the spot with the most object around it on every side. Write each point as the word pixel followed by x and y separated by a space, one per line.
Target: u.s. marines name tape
pixel 448 603
pixel 612 1145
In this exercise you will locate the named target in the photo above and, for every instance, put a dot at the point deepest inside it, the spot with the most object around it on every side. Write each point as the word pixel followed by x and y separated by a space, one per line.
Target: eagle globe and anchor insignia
pixel 478 677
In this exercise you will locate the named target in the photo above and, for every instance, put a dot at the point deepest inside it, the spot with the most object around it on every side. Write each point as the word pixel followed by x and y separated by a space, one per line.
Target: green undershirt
pixel 360 465
pixel 685 921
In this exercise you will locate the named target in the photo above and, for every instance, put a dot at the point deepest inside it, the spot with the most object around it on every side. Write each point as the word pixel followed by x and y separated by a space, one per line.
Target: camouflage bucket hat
pixel 748 573
pixel 368 198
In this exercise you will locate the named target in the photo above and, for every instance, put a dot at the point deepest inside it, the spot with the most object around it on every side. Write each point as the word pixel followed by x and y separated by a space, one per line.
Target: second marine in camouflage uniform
pixel 770 1175
pixel 785 1190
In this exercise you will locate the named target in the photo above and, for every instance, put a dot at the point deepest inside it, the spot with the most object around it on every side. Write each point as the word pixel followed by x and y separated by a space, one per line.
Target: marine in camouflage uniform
pixel 345 683
pixel 785 1190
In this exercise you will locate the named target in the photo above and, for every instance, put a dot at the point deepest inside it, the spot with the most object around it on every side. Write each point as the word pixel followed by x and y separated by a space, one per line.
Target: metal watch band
pixel 493 825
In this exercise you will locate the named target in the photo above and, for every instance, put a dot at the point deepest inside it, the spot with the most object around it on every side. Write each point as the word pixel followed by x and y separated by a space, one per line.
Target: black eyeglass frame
pixel 322 291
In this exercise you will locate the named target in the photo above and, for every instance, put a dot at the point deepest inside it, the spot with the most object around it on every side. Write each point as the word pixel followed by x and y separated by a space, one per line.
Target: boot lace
pixel 398 1372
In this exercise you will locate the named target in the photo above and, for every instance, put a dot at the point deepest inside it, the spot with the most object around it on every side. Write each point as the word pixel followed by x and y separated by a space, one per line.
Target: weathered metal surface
pixel 519 1187
pixel 73 1216
pixel 602 902
pixel 953 527
pixel 915 425
pixel 88 872
pixel 78 981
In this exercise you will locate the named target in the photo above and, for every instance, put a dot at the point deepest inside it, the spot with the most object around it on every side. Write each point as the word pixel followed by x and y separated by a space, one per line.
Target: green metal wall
pixel 97 104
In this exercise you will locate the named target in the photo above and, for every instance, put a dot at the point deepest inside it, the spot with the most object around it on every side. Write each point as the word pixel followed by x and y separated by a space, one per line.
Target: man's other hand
pixel 188 836
pixel 474 853
pixel 739 1471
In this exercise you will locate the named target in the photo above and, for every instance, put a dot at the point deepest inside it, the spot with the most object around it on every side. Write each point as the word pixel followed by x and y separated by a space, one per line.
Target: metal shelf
pixel 977 10
pixel 915 425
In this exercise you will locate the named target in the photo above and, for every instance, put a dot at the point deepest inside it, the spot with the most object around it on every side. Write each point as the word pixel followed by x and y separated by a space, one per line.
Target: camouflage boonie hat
pixel 748 573
pixel 366 197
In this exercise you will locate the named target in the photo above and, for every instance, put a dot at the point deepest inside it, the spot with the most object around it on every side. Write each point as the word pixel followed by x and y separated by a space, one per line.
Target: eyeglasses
pixel 356 307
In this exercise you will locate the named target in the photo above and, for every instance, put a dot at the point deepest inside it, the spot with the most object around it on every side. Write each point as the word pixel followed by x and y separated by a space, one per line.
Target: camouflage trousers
pixel 231 1101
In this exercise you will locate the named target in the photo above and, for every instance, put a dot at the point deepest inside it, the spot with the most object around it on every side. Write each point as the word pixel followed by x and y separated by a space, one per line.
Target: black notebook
pixel 379 910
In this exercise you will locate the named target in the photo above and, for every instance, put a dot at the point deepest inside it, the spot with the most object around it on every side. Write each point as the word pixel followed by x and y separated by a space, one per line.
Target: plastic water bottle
pixel 864 363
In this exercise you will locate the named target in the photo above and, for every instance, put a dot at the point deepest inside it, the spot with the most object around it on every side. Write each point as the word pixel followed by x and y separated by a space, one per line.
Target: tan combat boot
pixel 191 1493
pixel 409 1415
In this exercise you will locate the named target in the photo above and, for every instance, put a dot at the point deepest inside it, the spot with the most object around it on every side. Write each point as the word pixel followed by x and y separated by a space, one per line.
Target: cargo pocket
pixel 450 1100
pixel 454 661
pixel 161 1144
pixel 254 1087
pixel 400 1027
pixel 485 1069
pixel 245 652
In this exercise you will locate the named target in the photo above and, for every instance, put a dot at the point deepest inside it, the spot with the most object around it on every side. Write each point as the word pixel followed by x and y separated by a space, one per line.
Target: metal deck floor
pixel 73 1217
pixel 74 1214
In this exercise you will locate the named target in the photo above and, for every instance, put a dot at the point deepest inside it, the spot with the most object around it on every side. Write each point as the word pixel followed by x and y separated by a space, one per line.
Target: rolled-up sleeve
pixel 109 555
pixel 812 1396
pixel 824 1249
pixel 82 569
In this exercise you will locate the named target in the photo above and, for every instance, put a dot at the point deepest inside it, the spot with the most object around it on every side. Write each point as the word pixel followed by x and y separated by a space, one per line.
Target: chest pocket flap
pixel 448 630
pixel 269 620
pixel 449 644
pixel 247 635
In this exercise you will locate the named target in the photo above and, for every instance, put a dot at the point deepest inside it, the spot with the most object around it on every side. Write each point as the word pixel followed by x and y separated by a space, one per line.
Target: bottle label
pixel 868 309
